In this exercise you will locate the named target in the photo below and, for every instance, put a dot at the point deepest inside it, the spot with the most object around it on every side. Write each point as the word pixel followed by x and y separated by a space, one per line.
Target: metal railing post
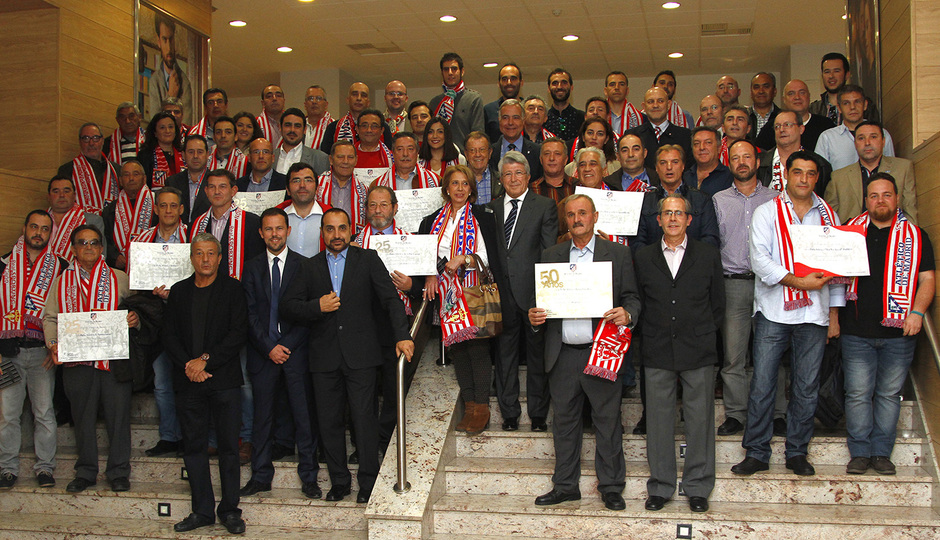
pixel 402 485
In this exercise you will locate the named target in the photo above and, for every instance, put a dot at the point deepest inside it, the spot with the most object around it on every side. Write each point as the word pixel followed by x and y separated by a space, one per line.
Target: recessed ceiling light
pixel 306 1
pixel 490 64
pixel 237 23
pixel 570 37
pixel 448 18
pixel 844 16
pixel 284 49
pixel 671 5
pixel 675 55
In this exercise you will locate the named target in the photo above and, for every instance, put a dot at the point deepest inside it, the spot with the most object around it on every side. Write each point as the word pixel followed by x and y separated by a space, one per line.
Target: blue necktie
pixel 273 332
pixel 511 220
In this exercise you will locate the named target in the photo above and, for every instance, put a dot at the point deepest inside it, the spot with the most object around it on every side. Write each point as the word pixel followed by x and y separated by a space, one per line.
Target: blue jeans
pixel 37 382
pixel 166 402
pixel 875 370
pixel 770 342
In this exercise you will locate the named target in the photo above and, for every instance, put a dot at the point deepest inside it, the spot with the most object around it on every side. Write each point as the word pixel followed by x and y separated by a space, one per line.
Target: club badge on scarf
pixel 611 342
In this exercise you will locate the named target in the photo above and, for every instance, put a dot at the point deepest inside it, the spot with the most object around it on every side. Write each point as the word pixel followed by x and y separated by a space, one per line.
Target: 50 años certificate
pixel 93 335
pixel 152 265
pixel 574 290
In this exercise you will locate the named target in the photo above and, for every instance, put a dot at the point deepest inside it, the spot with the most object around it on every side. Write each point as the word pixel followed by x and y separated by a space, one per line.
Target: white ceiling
pixel 633 36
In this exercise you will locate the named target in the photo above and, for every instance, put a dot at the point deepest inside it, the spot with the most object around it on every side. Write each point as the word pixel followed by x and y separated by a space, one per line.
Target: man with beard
pixel 168 80
pixel 510 83
pixel 564 119
pixel 292 148
pixel 835 70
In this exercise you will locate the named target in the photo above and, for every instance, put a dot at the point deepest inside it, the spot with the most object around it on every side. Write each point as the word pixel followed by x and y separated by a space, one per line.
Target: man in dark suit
pixel 190 182
pixel 344 345
pixel 530 225
pixel 567 351
pixel 262 177
pixel 292 148
pixel 277 349
pixel 682 288
pixel 657 131
pixel 238 246
pixel 511 118
pixel 205 327
pixel 632 156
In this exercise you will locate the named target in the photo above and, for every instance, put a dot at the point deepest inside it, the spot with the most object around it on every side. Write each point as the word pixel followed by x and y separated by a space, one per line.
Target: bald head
pixel 710 111
pixel 796 97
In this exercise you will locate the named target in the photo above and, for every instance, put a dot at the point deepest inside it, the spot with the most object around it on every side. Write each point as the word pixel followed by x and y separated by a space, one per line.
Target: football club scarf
pixel 676 116
pixel 162 167
pixel 114 150
pixel 87 193
pixel 629 118
pixel 902 262
pixel 794 298
pixel 132 217
pixel 150 235
pixel 445 109
pixel 386 155
pixel 23 291
pixel 395 122
pixel 426 165
pixel 314 135
pixel 200 128
pixel 358 193
pixel 611 342
pixel 364 239
pixel 423 179
pixel 456 323
pixel 236 238
pixel 236 164
pixel 618 239
pixel 346 129
pixel 723 152
pixel 59 241
pixel 777 181
pixel 266 129
pixel 97 293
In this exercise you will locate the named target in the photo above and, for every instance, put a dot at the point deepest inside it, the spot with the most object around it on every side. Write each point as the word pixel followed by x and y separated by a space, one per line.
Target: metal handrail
pixel 932 337
pixel 402 486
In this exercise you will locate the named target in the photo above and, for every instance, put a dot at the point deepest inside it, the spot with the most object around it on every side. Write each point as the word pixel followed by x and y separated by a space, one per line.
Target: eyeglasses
pixel 369 126
pixel 315 99
pixel 92 243
pixel 395 94
pixel 511 174
pixel 89 138
pixel 672 213
pixel 785 125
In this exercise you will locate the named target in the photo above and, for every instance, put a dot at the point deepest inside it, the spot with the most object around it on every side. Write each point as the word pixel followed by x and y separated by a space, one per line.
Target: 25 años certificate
pixel 574 291
pixel 152 265
pixel 93 335
pixel 414 204
pixel 618 212
pixel 835 251
pixel 257 202
pixel 410 254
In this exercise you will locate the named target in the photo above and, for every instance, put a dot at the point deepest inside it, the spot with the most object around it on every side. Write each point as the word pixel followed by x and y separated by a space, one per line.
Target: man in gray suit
pixel 292 150
pixel 568 344
pixel 530 225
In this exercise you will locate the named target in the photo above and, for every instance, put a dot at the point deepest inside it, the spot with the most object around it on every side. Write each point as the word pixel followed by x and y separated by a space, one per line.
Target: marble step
pixel 23 526
pixel 831 485
pixel 277 508
pixel 828 447
pixel 169 469
pixel 506 516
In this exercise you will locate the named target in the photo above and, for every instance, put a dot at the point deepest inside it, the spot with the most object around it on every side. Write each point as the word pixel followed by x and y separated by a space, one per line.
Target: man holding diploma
pixel 568 350
pixel 788 310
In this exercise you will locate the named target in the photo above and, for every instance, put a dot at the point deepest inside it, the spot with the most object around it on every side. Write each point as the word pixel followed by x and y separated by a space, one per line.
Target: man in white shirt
pixel 318 118
pixel 837 145
pixel 292 150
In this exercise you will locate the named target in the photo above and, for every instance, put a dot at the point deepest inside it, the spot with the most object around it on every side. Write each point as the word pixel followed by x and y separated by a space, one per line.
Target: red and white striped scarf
pixel 699 122
pixel 456 323
pixel 162 168
pixel 97 293
pixel 777 181
pixel 314 135
pixel 611 342
pixel 629 118
pixel 426 165
pixel 59 241
pixel 902 263
pixel 619 239
pixel 676 116
pixel 574 148
pixel 237 163
pixel 236 238
pixel 464 241
pixel 114 150
pixel 795 298
pixel 723 152
pixel 132 217
pixel 23 291
pixel 445 109
pixel 423 179
pixel 358 192
pixel 200 128
pixel 150 235
pixel 637 186
pixel 265 123
pixel 364 239
pixel 346 129
pixel 87 193
pixel 386 155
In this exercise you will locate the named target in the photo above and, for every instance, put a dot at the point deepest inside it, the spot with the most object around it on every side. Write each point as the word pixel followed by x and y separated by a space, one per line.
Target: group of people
pixel 290 311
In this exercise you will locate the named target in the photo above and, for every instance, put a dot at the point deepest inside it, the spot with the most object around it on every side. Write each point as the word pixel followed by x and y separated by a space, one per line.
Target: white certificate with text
pixel 366 175
pixel 258 201
pixel 410 254
pixel 618 212
pixel 414 205
pixel 835 251
pixel 152 265
pixel 93 335
pixel 574 290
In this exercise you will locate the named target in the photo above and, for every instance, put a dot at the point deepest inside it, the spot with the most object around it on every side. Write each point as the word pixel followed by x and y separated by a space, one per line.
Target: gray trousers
pixel 39 384
pixel 569 388
pixel 89 389
pixel 698 406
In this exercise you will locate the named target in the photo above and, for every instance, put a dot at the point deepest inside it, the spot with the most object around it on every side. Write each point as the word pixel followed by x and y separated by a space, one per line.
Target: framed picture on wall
pixel 172 61
pixel 864 46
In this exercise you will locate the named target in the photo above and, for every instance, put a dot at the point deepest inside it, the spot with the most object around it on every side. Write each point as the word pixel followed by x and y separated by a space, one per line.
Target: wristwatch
pixel 467 260
pixel 204 357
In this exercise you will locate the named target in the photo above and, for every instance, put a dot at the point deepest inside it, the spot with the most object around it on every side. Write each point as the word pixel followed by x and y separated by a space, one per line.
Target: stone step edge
pixel 679 437
pixel 592 507
pixel 138 455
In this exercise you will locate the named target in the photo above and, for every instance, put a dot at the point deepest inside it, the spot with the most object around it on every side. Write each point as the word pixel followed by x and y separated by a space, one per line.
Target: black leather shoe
pixel 780 427
pixel 698 504
pixel 163 447
pixel 279 451
pixel 655 503
pixel 78 485
pixel 800 466
pixel 539 423
pixel 363 496
pixel 511 424
pixel 311 490
pixel 120 484
pixel 613 501
pixel 554 497
pixel 353 458
pixel 336 493
pixel 234 524
pixel 730 427
pixel 750 466
pixel 193 521
pixel 640 428
pixel 253 487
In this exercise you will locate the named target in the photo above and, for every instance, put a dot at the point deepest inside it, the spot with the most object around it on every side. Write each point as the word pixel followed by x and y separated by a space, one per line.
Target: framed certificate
pixel 618 212
pixel 410 254
pixel 574 290
pixel 835 251
pixel 93 335
pixel 152 265
pixel 414 205
pixel 259 201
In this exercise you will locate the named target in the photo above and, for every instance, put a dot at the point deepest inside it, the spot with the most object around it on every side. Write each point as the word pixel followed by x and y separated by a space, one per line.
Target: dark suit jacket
pixel 813 129
pixel 226 333
pixel 623 287
pixel 615 180
pixel 529 149
pixel 672 135
pixel 765 139
pixel 254 245
pixel 704 226
pixel 330 134
pixel 278 182
pixel 348 336
pixel 535 230
pixel 487 220
pixel 490 119
pixel 107 215
pixel 681 315
pixel 765 171
pixel 181 182
pixel 257 283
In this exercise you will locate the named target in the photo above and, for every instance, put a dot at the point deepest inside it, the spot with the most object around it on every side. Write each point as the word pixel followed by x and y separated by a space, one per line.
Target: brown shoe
pixel 480 419
pixel 244 452
pixel 468 408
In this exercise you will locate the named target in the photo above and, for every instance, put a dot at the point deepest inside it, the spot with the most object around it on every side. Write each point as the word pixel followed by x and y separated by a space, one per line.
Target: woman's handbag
pixel 483 302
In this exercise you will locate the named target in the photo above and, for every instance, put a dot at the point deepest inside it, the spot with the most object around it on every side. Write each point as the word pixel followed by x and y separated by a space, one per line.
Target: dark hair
pixel 223 118
pixel 746 141
pixel 878 125
pixel 624 75
pixel 597 98
pixel 881 176
pixel 450 152
pixel 451 56
pixel 609 154
pixel 626 133
pixel 742 108
pixel 299 166
pixel 335 210
pixel 292 111
pixel 207 93
pixel 415 104
pixel 58 178
pixel 196 137
pixel 379 187
pixel 850 89
pixel 171 190
pixel 556 71
pixel 256 129
pixel 699 129
pixel 835 56
pixel 773 78
pixel 403 135
pixel 665 72
pixel 84 227
pixel 160 18
pixel 222 172
pixel 150 139
pixel 274 211
pixel 805 156
pixel 373 112
pixel 37 213
pixel 510 64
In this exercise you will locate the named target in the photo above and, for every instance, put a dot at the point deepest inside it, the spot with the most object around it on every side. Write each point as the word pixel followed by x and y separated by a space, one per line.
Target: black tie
pixel 512 147
pixel 511 220
pixel 273 332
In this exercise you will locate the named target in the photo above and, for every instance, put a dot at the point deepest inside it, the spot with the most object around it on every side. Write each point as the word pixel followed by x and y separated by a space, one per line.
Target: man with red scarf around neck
pixel 126 140
pixel 345 128
pixel 459 105
pixel 622 115
pixel 129 215
pixel 93 176
pixel 66 215
pixel 405 173
pixel 338 188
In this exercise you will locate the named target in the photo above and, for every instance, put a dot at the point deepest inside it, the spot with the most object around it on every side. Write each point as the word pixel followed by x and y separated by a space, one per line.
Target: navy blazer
pixel 257 282
pixel 181 182
pixel 673 135
pixel 529 149
pixel 278 182
pixel 704 224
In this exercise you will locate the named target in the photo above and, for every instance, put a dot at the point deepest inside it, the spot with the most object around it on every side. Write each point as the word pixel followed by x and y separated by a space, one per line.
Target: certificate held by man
pixel 834 251
pixel 152 265
pixel 414 205
pixel 574 291
pixel 410 254
pixel 93 335
pixel 618 212
pixel 257 202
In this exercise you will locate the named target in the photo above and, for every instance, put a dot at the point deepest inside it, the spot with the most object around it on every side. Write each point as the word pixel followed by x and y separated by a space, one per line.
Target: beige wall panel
pixel 97 61
pixel 120 20
pixel 103 37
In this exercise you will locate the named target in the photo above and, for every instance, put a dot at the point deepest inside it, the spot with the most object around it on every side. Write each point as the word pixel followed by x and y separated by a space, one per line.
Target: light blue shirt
pixel 337 265
pixel 305 231
pixel 579 331
pixel 505 148
pixel 627 179
pixel 837 146
pixel 261 186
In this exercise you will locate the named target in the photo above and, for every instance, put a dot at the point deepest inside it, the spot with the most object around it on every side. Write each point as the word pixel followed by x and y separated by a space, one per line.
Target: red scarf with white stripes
pixel 676 116
pixel 611 342
pixel 114 150
pixel 59 241
pixel 364 239
pixel 423 179
pixel 795 298
pixel 236 238
pixel 456 322
pixel 346 129
pixel 445 109
pixel 162 168
pixel 629 118
pixel 723 153
pixel 464 241
pixel 265 123
pixel 358 193
pixel 87 193
pixel 314 135
pixel 902 263
pixel 150 235
pixel 132 217
pixel 97 293
pixel 200 128
pixel 426 165
pixel 23 291
pixel 236 164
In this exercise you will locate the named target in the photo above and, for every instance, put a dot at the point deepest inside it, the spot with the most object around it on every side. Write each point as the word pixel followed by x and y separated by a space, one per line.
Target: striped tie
pixel 511 220
pixel 659 132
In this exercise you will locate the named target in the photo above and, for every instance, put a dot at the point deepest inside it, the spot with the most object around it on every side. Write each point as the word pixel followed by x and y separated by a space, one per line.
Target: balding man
pixel 357 100
pixel 262 177
pixel 396 116
pixel 728 91
pixel 710 110
pixel 666 80
pixel 763 109
pixel 657 130
pixel 318 117
pixel 272 105
pixel 796 98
